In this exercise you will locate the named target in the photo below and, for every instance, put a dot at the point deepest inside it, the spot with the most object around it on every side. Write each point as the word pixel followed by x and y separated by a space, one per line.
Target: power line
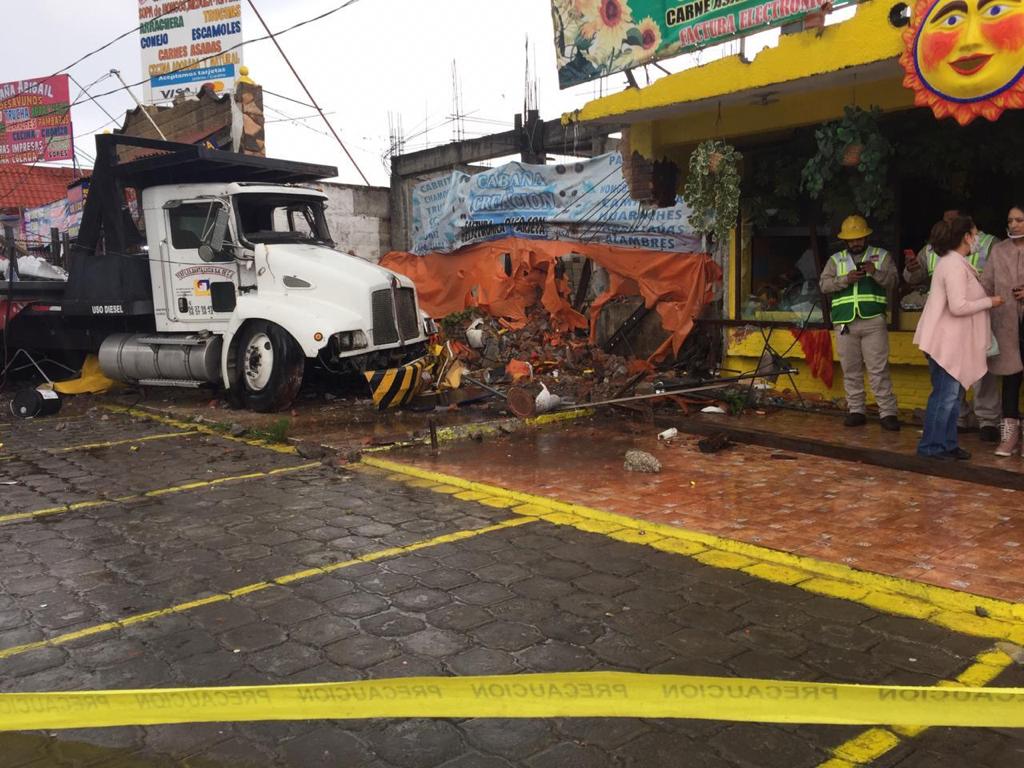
pixel 80 59
pixel 312 100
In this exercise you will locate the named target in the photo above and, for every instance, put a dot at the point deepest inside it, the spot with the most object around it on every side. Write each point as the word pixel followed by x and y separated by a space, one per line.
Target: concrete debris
pixel 237 430
pixel 310 451
pixel 641 461
pixel 565 361
pixel 715 443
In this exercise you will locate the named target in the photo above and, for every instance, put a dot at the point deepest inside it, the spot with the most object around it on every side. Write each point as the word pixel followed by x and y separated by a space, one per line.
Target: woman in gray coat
pixel 1004 276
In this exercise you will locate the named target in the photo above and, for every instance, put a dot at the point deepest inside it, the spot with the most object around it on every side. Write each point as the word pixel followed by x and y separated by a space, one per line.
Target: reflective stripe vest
pixel 865 298
pixel 977 259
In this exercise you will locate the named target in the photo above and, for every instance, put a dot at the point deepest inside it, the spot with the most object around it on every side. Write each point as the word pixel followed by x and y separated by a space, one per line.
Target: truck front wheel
pixel 270 366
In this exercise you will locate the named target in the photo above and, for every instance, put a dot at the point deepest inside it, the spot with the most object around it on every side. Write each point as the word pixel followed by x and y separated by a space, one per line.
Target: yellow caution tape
pixel 568 694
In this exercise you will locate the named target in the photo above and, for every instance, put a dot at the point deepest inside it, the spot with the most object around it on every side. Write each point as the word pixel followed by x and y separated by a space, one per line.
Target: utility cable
pixel 309 95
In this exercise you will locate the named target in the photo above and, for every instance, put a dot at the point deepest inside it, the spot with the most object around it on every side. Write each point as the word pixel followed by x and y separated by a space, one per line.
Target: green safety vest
pixel 865 298
pixel 977 258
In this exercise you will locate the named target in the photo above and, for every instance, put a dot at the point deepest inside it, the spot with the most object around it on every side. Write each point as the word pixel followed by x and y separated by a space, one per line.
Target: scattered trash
pixel 475 334
pixel 713 409
pixel 545 401
pixel 30 403
pixel 237 430
pixel 641 461
pixel 715 443
pixel 668 434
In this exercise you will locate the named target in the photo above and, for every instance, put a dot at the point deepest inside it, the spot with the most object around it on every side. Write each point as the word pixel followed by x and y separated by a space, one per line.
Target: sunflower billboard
pixel 594 38
pixel 965 59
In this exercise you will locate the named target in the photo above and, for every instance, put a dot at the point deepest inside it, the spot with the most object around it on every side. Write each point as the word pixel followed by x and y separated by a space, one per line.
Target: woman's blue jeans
pixel 941 415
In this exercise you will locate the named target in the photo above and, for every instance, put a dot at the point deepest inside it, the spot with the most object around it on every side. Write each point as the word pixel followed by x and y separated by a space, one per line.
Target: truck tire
pixel 270 366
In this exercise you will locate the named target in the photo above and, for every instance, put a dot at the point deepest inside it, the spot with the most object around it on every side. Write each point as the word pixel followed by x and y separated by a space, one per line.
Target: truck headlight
pixel 346 341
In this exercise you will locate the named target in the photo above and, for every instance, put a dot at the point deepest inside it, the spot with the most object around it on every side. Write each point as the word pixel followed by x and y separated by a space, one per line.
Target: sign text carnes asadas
pixel 188 43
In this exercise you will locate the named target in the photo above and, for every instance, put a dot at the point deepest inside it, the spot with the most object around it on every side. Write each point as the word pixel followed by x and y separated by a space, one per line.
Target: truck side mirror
pixel 212 245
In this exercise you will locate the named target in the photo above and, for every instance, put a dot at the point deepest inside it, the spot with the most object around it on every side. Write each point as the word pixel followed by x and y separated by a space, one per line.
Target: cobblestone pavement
pixel 522 597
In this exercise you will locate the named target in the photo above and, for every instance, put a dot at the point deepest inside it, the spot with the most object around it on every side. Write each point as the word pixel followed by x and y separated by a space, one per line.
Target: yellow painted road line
pixel 865 748
pixel 142 413
pixel 249 589
pixel 156 492
pixel 113 443
pixel 888 594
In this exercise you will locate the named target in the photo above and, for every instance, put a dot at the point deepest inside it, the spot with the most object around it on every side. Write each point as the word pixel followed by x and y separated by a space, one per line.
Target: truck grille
pixel 384 330
pixel 408 320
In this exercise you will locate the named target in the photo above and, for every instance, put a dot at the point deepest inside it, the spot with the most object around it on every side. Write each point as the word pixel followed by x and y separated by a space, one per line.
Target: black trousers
pixel 1012 384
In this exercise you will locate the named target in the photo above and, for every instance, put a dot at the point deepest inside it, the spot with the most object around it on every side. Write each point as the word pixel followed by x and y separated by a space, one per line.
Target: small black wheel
pixel 270 365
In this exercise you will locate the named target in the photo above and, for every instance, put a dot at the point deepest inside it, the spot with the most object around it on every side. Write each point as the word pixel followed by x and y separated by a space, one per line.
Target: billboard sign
pixel 35 121
pixel 595 38
pixel 186 45
pixel 582 201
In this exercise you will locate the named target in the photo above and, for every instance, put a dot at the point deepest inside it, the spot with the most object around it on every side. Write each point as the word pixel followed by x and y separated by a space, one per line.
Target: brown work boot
pixel 1010 433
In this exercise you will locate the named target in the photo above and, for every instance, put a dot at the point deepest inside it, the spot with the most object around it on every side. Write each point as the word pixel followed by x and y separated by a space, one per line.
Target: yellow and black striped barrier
pixel 396 387
pixel 568 694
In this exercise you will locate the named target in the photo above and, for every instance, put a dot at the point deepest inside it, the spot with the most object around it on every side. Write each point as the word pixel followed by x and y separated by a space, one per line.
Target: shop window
pixel 779 272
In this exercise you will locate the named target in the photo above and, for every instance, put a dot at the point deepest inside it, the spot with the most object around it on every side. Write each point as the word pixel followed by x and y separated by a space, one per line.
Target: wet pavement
pixel 828 428
pixel 282 552
pixel 949 533
pixel 342 424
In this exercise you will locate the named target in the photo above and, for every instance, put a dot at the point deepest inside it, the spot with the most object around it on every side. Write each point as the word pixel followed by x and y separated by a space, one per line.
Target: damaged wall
pixel 359 219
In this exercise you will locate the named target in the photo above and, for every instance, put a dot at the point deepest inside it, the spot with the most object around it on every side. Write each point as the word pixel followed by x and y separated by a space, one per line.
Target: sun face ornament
pixel 965 58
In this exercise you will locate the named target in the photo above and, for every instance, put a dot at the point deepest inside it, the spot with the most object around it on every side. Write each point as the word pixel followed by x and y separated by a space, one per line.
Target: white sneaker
pixel 1010 437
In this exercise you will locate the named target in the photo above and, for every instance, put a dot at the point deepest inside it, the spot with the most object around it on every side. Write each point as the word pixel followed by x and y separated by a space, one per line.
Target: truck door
pixel 188 278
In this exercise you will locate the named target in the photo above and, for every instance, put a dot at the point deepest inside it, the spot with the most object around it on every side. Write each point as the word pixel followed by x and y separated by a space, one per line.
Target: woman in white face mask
pixel 1004 276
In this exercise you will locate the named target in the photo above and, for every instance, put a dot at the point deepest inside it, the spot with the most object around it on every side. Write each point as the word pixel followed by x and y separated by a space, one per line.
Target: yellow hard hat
pixel 854 228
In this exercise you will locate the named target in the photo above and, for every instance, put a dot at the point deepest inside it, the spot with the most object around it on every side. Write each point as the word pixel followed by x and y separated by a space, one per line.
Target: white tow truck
pixel 196 266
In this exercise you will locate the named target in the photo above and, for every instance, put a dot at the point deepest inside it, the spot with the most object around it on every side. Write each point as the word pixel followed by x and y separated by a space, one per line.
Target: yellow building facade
pixel 808 79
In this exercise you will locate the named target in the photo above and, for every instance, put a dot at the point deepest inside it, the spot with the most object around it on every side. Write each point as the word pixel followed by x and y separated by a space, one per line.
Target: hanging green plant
pixel 851 166
pixel 712 189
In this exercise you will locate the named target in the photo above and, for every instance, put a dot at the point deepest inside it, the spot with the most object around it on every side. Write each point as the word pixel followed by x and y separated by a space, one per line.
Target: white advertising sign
pixel 186 44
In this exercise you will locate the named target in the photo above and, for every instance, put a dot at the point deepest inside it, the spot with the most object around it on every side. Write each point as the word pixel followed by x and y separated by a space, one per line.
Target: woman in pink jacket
pixel 954 333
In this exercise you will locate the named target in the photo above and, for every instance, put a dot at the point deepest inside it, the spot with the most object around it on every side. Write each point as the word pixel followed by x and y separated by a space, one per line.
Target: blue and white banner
pixel 583 201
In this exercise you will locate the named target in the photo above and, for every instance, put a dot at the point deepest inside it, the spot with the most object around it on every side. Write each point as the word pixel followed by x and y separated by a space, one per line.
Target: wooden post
pixel 65 249
pixel 55 247
pixel 12 254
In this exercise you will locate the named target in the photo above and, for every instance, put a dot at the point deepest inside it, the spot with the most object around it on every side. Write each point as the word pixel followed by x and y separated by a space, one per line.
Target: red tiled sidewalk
pixel 954 534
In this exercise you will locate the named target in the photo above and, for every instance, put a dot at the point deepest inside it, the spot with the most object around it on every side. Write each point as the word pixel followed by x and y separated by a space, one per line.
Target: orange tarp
pixel 677 285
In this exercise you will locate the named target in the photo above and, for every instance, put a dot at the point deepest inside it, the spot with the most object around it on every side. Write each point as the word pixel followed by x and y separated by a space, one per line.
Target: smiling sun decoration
pixel 965 58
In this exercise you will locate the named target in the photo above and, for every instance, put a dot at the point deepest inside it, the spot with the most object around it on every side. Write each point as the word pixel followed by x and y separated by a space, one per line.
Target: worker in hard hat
pixel 859 280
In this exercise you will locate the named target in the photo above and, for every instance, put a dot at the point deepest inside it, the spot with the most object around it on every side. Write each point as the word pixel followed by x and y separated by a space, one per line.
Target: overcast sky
pixel 362 63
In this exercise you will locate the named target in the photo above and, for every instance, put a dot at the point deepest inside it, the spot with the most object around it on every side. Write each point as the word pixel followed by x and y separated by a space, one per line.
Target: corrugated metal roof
pixel 26 186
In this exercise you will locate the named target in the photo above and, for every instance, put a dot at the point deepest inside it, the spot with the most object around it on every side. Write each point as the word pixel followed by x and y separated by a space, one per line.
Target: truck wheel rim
pixel 258 362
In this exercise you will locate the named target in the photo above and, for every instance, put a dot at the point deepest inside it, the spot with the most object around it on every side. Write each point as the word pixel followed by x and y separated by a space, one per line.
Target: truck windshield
pixel 275 218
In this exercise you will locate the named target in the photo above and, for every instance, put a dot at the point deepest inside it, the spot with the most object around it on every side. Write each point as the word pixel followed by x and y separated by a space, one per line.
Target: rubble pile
pixel 567 363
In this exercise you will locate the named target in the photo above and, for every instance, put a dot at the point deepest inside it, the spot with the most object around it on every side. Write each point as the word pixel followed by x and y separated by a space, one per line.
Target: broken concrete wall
pixel 359 219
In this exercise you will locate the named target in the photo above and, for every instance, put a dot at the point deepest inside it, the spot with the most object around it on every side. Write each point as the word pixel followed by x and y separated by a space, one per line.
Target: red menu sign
pixel 35 121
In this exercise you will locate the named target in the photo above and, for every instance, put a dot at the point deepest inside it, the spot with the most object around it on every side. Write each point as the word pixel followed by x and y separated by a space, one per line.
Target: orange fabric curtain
pixel 677 285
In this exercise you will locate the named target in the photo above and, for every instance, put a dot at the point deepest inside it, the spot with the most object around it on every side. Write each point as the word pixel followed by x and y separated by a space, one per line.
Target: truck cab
pixel 218 268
